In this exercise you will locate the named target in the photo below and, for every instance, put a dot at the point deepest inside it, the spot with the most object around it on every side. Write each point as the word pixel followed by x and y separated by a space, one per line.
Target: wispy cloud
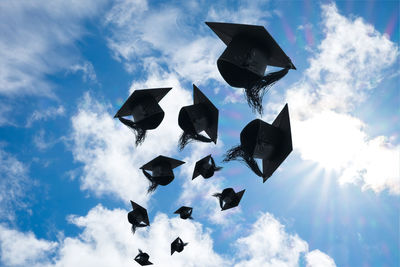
pixel 14 184
pixel 87 70
pixel 38 39
pixel 43 115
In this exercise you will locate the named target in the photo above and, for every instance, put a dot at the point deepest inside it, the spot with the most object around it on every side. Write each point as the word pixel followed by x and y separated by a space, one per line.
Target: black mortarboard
pixel 185 212
pixel 201 116
pixel 228 198
pixel 162 171
pixel 250 48
pixel 143 258
pixel 271 143
pixel 138 216
pixel 177 245
pixel 205 167
pixel 147 113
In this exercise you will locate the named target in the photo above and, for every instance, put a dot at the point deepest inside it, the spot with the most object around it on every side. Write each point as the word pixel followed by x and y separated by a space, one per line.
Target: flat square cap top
pixel 161 159
pixel 199 164
pixel 282 122
pixel 200 98
pixel 156 93
pixel 259 36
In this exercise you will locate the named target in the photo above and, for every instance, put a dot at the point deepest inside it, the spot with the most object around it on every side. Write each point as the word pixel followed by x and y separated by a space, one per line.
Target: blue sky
pixel 68 169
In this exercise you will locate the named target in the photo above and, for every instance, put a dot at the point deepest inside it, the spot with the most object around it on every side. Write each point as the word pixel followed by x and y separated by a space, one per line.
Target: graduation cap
pixel 138 216
pixel 250 48
pixel 201 116
pixel 271 143
pixel 205 167
pixel 162 171
pixel 177 245
pixel 184 212
pixel 229 198
pixel 147 113
pixel 143 258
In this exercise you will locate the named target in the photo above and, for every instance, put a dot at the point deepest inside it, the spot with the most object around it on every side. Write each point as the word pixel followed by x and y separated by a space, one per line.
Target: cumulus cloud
pixel 106 240
pixel 23 249
pixel 339 78
pixel 316 258
pixel 107 148
pixel 14 184
pixel 37 39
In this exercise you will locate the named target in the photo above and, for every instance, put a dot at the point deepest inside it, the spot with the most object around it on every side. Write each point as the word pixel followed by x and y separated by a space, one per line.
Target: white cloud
pixel 139 31
pixel 107 148
pixel 14 184
pixel 37 39
pixel 87 69
pixel 316 258
pixel 44 115
pixel 350 61
pixel 106 240
pixel 23 249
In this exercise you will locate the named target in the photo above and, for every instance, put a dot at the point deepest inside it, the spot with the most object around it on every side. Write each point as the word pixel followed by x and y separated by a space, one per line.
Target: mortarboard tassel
pixel 256 92
pixel 140 133
pixel 186 138
pixel 153 184
pixel 214 166
pixel 237 153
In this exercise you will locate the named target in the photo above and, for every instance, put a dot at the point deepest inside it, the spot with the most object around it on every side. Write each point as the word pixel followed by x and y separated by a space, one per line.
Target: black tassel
pixel 218 195
pixel 153 185
pixel 214 166
pixel 190 217
pixel 237 153
pixel 255 93
pixel 133 229
pixel 186 138
pixel 139 132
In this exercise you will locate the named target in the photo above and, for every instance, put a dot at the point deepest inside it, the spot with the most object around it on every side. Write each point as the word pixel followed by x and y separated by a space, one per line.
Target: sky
pixel 68 170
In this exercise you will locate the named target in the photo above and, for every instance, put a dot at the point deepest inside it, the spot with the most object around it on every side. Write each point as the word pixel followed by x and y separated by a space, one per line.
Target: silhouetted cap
pixel 147 113
pixel 205 167
pixel 228 198
pixel 138 216
pixel 162 171
pixel 201 116
pixel 143 258
pixel 271 143
pixel 184 212
pixel 250 48
pixel 177 245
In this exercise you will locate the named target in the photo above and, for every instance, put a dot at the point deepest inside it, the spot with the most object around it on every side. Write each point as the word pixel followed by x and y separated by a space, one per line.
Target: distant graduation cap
pixel 143 258
pixel 147 113
pixel 201 116
pixel 261 140
pixel 184 212
pixel 177 245
pixel 229 198
pixel 250 48
pixel 138 216
pixel 162 171
pixel 205 167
